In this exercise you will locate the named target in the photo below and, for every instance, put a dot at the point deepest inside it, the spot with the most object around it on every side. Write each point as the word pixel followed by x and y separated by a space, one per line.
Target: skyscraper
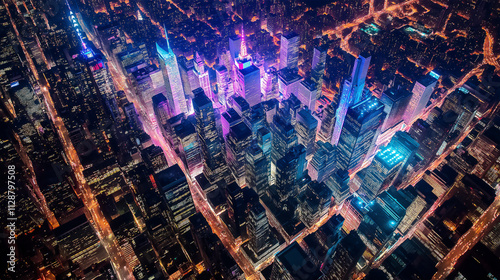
pixel 289 51
pixel 202 73
pixel 173 185
pixel 360 127
pixel 237 141
pixel 247 84
pixel 258 229
pixel 224 85
pixel 318 67
pixel 341 261
pixel 338 183
pixel 386 165
pixel 189 146
pixel 289 170
pixel 257 169
pixel 293 263
pixel 328 121
pixel 352 91
pixel 421 93
pixel 306 130
pixel 211 147
pixel 307 93
pixel 269 86
pixel 172 77
pixel 395 101
pixel 322 164
pixel 284 137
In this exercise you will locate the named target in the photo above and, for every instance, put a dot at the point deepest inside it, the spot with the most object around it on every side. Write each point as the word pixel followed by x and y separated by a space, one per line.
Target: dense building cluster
pixel 251 139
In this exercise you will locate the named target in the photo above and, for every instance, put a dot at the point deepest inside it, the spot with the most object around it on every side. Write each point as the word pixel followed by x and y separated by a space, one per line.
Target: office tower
pixel 291 107
pixel 237 141
pixel 99 68
pixel 289 51
pixel 289 170
pixel 419 206
pixel 228 119
pixel 307 93
pixel 172 77
pixel 207 134
pixel 314 203
pixel 466 111
pixel 341 262
pixel 395 101
pixel 236 208
pixel 338 183
pixel 258 229
pixel 78 242
pixel 358 132
pixel 241 106
pixel 352 91
pixel 234 46
pixel 189 79
pixel 224 85
pixel 323 162
pixel 269 86
pixel 420 95
pixel 386 165
pixel 174 187
pixel 318 67
pixel 144 85
pixel 328 121
pixel 288 83
pixel 264 140
pixel 256 119
pixel 154 157
pixel 132 116
pixel 293 263
pixel 257 169
pixel 247 80
pixel 283 137
pixel 189 147
pixel 306 130
pixel 160 108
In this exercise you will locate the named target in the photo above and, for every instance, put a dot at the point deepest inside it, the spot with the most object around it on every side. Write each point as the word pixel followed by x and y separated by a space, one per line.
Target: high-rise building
pixel 257 169
pixel 386 165
pixel 293 263
pixel 247 80
pixel 189 146
pixel 358 132
pixel 338 183
pixel 288 83
pixel 323 162
pixel 202 73
pixel 284 137
pixel 269 87
pixel 289 170
pixel 258 229
pixel 420 95
pixel 224 85
pixel 314 203
pixel 173 184
pixel 234 46
pixel 161 109
pixel 328 121
pixel 341 262
pixel 189 79
pixel 289 51
pixel 237 141
pixel 306 130
pixel 307 93
pixel 207 134
pixel 172 78
pixel 352 91
pixel 318 68
pixel 265 142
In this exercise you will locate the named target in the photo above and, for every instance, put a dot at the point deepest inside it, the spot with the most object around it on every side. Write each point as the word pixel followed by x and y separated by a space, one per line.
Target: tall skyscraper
pixel 189 146
pixel 307 93
pixel 420 95
pixel 289 51
pixel 306 130
pixel 341 261
pixel 352 91
pixel 224 85
pixel 258 229
pixel 284 137
pixel 269 85
pixel 247 84
pixel 173 185
pixel 293 263
pixel 237 141
pixel 211 147
pixel 338 183
pixel 202 73
pixel 172 77
pixel 288 83
pixel 328 121
pixel 318 67
pixel 360 127
pixel 289 170
pixel 322 164
pixel 395 102
pixel 386 165
pixel 257 169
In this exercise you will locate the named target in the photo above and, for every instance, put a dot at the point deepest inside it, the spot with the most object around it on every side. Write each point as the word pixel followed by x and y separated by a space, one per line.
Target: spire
pixel 243 49
pixel 166 37
pixel 198 58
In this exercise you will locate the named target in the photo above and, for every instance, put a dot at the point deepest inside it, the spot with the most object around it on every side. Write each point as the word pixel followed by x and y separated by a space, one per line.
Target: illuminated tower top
pixel 244 60
pixel 243 49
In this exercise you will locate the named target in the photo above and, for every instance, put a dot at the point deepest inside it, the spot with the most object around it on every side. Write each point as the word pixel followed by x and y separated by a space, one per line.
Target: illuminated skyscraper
pixel 211 147
pixel 247 84
pixel 395 101
pixel 341 261
pixel 270 88
pixel 224 85
pixel 257 169
pixel 360 127
pixel 421 93
pixel 288 83
pixel 306 130
pixel 352 91
pixel 328 121
pixel 189 146
pixel 172 77
pixel 289 170
pixel 307 93
pixel 202 73
pixel 338 183
pixel 175 189
pixel 284 137
pixel 237 141
pixel 289 51
pixel 318 67
pixel 386 165
pixel 322 164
